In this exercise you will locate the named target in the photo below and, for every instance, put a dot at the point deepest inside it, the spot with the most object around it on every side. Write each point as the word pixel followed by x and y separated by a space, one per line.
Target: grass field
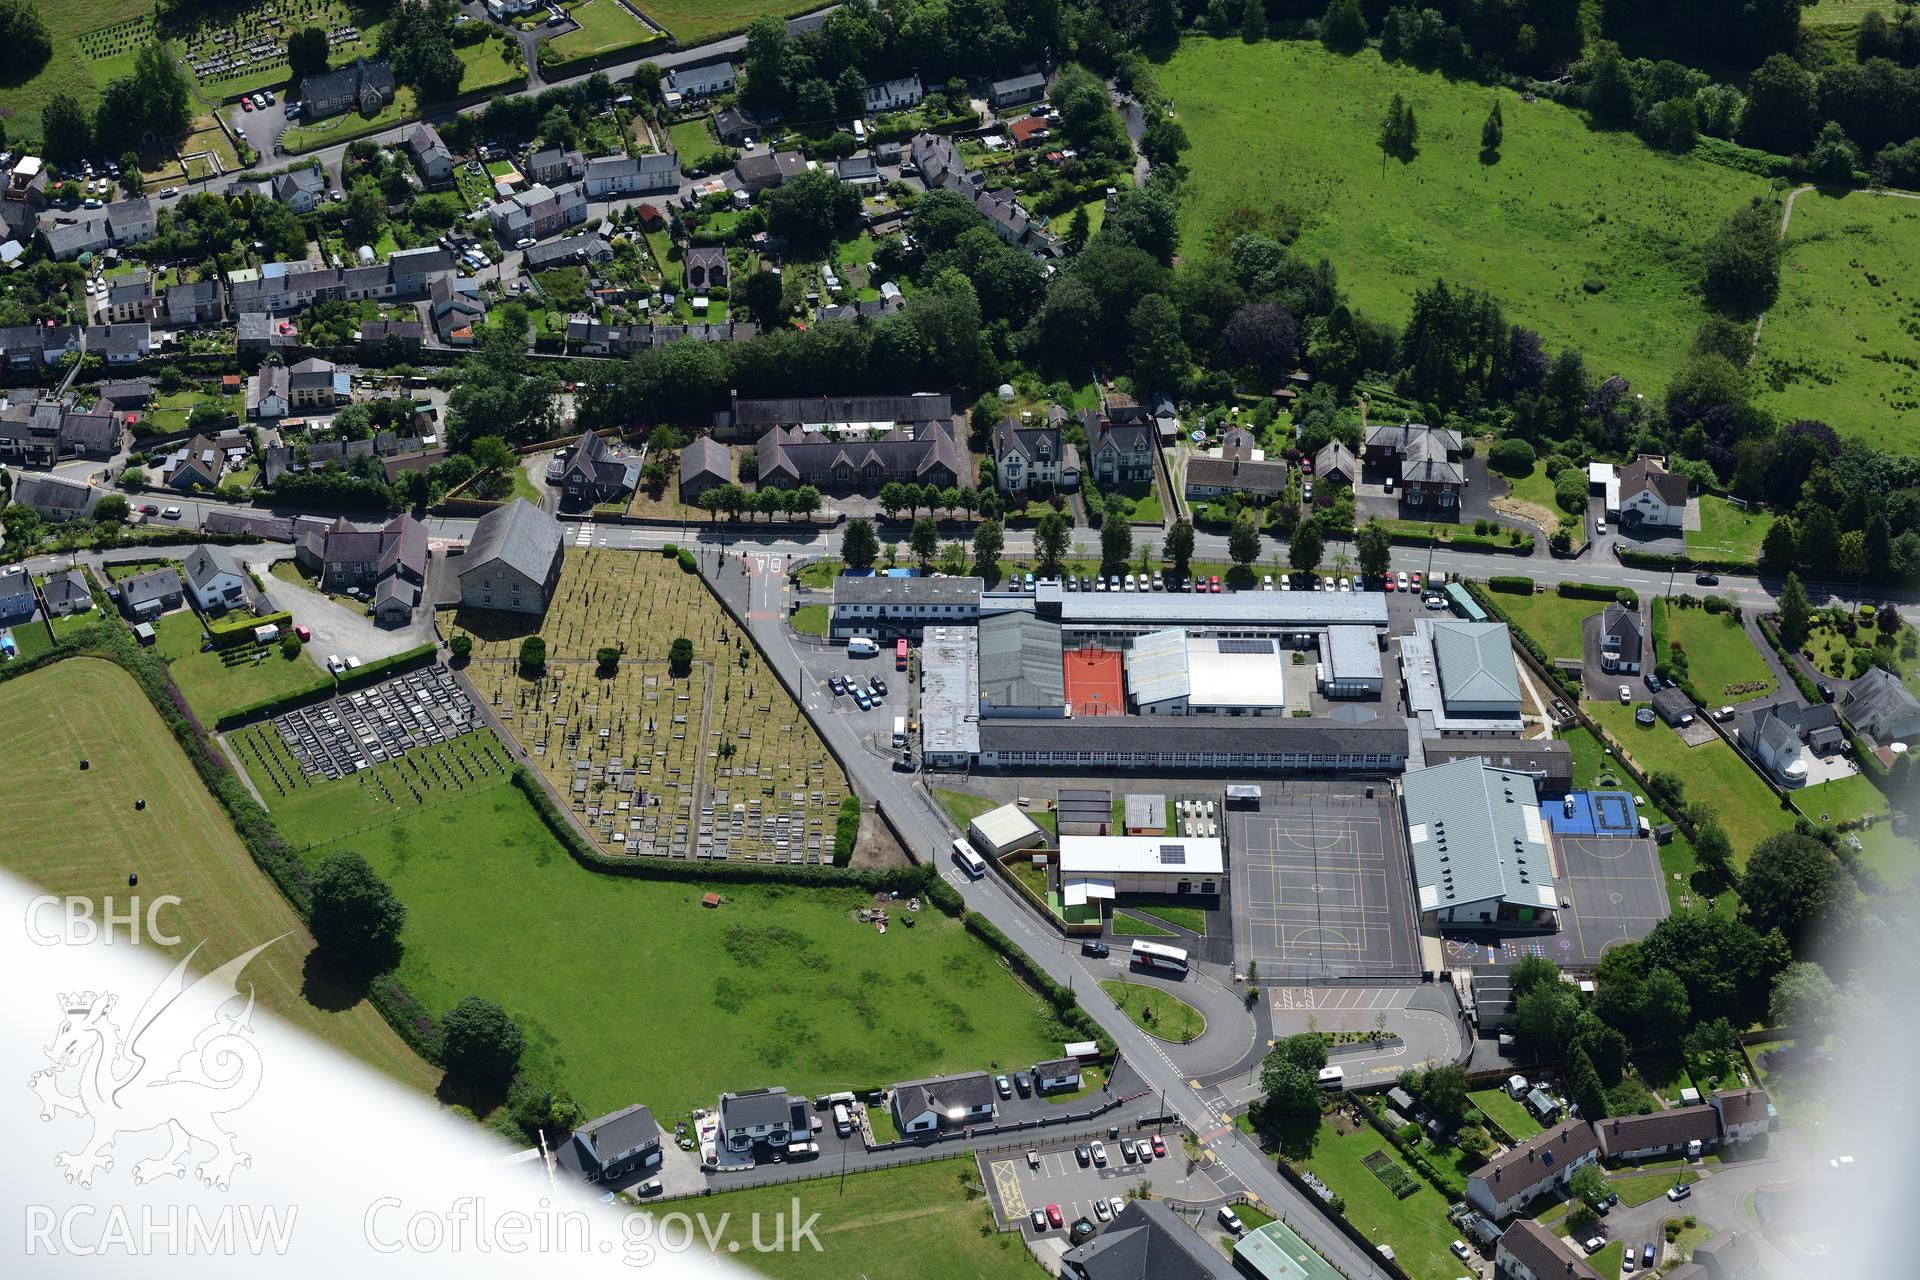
pixel 1550 618
pixel 961 807
pixel 1748 810
pixel 69 69
pixel 671 1002
pixel 1565 205
pixel 212 687
pixel 1727 531
pixel 1505 1112
pixel 1840 342
pixel 179 844
pixel 1721 659
pixel 692 21
pixel 604 26
pixel 1127 926
pixel 865 1219
pixel 1416 1227
pixel 1155 1011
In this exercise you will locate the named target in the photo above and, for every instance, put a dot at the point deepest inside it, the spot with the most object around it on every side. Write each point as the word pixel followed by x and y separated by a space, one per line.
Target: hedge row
pixel 1421 1164
pixel 1802 681
pixel 264 707
pixel 1596 591
pixel 1066 1006
pixel 1654 560
pixel 1511 582
pixel 846 830
pixel 915 879
pixel 419 655
pixel 237 628
pixel 1461 539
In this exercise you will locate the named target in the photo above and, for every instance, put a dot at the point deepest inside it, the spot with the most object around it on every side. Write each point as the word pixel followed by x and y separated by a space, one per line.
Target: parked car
pixel 171 513
pixel 1678 1192
pixel 246 104
pixel 1230 1220
pixel 1436 602
pixel 1101 1211
pixel 838 684
pixel 1213 584
pixel 1594 1244
pixel 1826 691
pixel 304 632
pixel 1022 1083
pixel 1126 1150
pixel 1004 1085
pixel 1039 1217
pixel 1057 1219
pixel 1159 1146
pixel 1117 1204
pixel 170 193
pixel 1626 695
pixel 1653 682
pixel 149 509
pixel 353 662
pixel 861 700
pixel 1460 1250
pixel 878 686
pixel 1083 1155
pixel 1841 1162
pixel 1600 527
pixel 1033 1158
pixel 1095 948
pixel 334 664
pixel 1099 1154
pixel 1646 1255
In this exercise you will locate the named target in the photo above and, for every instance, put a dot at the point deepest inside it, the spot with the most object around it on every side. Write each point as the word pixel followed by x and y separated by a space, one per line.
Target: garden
pixel 706 757
pixel 1343 1154
pixel 1726 532
pixel 1844 644
pixel 605 26
pixel 1588 236
pixel 218 681
pixel 1553 620
pixel 1156 1011
pixel 1705 646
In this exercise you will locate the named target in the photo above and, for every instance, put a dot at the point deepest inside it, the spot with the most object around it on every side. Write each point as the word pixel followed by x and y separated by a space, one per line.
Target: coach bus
pixel 1153 956
pixel 899 655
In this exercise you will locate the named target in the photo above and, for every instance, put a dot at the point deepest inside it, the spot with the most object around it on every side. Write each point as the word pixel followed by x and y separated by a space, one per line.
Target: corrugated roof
pixel 1476 836
pixel 1157 667
pixel 1476 662
pixel 1020 662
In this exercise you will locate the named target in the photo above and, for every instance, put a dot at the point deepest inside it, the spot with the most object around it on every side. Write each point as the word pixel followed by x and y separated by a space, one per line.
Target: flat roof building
pixel 1548 761
pixel 1269 744
pixel 1087 616
pixel 1235 676
pixel 949 697
pixel 1479 846
pixel 884 606
pixel 1350 663
pixel 1274 1252
pixel 1156 663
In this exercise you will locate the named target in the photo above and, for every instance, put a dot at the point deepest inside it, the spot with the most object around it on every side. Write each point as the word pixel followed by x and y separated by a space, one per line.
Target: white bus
pixel 970 862
pixel 1333 1078
pixel 1151 955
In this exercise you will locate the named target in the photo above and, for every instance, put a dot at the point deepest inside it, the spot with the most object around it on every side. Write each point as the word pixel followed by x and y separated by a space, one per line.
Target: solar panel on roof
pixel 1245 646
pixel 1173 855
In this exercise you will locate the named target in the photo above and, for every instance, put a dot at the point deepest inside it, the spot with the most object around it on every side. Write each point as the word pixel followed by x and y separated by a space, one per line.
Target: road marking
pixel 1006 1179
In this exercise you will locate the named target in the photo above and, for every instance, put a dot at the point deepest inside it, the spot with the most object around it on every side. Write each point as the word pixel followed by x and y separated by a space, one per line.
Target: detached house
pixel 1335 464
pixel 705 464
pixel 609 176
pixel 1025 456
pixel 1424 460
pixel 1120 447
pixel 593 472
pixel 1017 91
pixel 430 156
pixel 684 84
pixel 1651 497
pixel 1543 1163
pixel 53 498
pixel 67 593
pixel 388 563
pixel 902 94
pixel 150 594
pixel 760 1115
pixel 216 579
pixel 1237 466
pixel 16 592
pixel 1779 736
pixel 952 1102
pixel 199 463
pixel 1880 707
pixel 1621 642
pixel 1057 1075
pixel 616 1148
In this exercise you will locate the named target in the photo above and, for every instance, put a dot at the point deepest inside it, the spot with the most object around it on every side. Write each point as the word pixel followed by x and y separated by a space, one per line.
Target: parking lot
pixel 1321 885
pixel 1018 1186
pixel 875 724
pixel 1614 887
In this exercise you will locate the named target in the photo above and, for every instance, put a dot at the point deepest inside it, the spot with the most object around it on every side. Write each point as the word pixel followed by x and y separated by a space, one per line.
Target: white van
pixel 899 731
pixel 1230 1220
pixel 970 862
pixel 861 647
pixel 842 1119
pixel 1333 1078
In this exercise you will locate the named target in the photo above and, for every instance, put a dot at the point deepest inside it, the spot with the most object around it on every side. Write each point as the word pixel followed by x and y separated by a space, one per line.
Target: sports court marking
pixel 1616 889
pixel 1094 685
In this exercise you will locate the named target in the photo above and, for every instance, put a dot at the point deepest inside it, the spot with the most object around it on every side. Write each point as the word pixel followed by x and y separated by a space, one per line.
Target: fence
pixel 1353 1233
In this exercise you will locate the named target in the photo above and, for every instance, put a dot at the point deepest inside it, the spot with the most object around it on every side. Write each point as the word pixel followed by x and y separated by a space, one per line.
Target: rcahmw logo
pixel 182 1061
pixel 171 1230
pixel 53 922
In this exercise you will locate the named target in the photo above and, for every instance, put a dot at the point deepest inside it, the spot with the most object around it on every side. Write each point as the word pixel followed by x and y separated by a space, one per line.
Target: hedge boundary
pixel 404 660
pixel 1657 560
pixel 1066 1006
pixel 237 628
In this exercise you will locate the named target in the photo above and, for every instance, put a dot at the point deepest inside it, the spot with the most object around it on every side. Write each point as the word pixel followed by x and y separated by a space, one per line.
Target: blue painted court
pixel 1592 813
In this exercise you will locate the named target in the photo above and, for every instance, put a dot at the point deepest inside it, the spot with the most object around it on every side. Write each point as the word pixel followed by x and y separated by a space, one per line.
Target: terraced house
pixel 927 454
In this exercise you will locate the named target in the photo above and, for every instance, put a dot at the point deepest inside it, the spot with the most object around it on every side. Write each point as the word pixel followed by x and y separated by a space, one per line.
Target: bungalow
pixel 66 593
pixel 1424 460
pixel 1335 464
pixel 1528 1251
pixel 611 176
pixel 198 463
pixel 1255 481
pixel 1540 1164
pixel 763 169
pixel 1745 1114
pixel 1056 1075
pixel 1684 1131
pixel 859 171
pixel 902 94
pixel 705 464
pixel 735 126
pixel 569 251
pixel 688 84
pixel 430 156
pixel 759 1115
pixel 1880 707
pixel 1779 734
pixel 52 497
pixel 616 1148
pixel 1621 639
pixel 1025 456
pixel 150 594
pixel 1017 91
pixel 364 86
pixel 1651 497
pixel 216 579
pixel 923 1106
pixel 199 303
pixel 1027 131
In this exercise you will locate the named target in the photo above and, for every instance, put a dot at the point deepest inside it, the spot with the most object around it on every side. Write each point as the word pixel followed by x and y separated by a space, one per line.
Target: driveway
pixel 340 629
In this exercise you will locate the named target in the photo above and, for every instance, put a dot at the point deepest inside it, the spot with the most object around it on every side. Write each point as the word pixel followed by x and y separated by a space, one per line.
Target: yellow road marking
pixel 1006 1177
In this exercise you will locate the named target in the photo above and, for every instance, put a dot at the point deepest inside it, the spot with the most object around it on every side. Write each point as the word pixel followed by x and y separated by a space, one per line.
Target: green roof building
pixel 1274 1252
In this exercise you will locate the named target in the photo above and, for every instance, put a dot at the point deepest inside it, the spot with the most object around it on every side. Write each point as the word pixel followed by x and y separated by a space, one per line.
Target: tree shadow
pixel 476 1097
pixel 329 985
pixel 1489 156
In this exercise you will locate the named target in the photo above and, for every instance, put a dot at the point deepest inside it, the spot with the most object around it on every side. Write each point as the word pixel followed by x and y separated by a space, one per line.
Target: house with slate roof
pixel 215 578
pixel 927 454
pixel 513 562
pixel 943 1102
pixel 616 1148
pixel 705 464
pixel 1880 707
pixel 1027 454
pixel 1621 639
pixel 1528 1251
pixel 1146 1241
pixel 1651 497
pixel 593 472
pixel 1542 1163
pixel 364 86
pixel 1424 460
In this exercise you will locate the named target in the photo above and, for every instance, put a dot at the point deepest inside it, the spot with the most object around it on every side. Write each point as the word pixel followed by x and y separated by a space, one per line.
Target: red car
pixel 1213 584
pixel 246 104
pixel 1159 1147
pixel 304 632
pixel 1413 580
pixel 1306 466
pixel 1054 1217
pixel 1388 584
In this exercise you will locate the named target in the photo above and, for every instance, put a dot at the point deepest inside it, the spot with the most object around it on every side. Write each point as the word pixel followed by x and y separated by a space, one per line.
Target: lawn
pixel 213 685
pixel 1796 1086
pixel 1714 773
pixel 696 21
pixel 180 844
pixel 1722 662
pixel 1838 343
pixel 1550 618
pixel 1416 1227
pixel 1535 490
pixel 1634 1191
pixel 1127 926
pixel 30 638
pixel 1505 1112
pixel 938 1205
pixel 1727 532
pixel 69 69
pixel 345 128
pixel 605 25
pixel 693 139
pixel 1154 1011
pixel 1566 204
pixel 810 619
pixel 1841 800
pixel 676 1002
pixel 1192 919
pixel 1889 856
pixel 961 807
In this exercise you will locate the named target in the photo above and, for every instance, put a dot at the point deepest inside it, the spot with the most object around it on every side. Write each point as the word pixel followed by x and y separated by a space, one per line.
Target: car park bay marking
pixel 1006 1177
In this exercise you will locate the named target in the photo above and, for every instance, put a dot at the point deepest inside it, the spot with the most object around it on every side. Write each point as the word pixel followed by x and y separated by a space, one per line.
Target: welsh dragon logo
pixel 183 1061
